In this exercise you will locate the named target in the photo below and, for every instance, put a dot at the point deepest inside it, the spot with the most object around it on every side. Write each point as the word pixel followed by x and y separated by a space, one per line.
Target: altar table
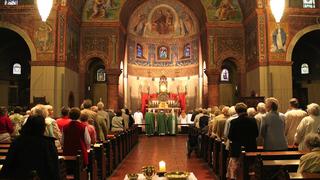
pixel 156 177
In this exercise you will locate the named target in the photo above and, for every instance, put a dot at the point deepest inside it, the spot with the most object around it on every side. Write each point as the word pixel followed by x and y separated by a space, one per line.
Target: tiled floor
pixel 172 150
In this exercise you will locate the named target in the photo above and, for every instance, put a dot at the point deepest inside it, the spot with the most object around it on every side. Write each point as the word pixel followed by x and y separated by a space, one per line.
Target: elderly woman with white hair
pixel 272 127
pixel 261 110
pixel 310 162
pixel 309 124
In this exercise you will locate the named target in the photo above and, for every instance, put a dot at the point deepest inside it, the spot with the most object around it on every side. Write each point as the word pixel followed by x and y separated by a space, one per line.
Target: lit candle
pixel 162 166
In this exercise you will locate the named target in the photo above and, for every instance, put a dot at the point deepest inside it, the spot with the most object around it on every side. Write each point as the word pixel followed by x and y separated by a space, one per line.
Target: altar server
pixel 172 123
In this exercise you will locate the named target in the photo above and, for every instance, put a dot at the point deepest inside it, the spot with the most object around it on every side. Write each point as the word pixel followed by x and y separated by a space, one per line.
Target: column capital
pixel 213 76
pixel 112 76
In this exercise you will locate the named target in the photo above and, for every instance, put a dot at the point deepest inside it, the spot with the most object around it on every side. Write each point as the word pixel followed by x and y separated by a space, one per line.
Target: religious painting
pixel 43 38
pixel 163 53
pixel 279 38
pixel 101 10
pixel 304 68
pixel 187 51
pixel 162 21
pixel 139 51
pixel 163 18
pixel 223 10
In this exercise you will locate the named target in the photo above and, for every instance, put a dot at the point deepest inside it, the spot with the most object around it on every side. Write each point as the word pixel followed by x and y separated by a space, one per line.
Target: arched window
pixel 11 2
pixel 101 75
pixel 187 51
pixel 304 68
pixel 139 51
pixel 225 75
pixel 16 69
pixel 309 4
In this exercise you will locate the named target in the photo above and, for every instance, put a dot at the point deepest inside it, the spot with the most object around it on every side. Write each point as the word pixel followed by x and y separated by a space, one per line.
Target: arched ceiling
pixel 130 5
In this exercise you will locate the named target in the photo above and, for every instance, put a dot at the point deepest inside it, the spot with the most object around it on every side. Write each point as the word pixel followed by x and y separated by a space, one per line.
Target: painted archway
pixel 24 35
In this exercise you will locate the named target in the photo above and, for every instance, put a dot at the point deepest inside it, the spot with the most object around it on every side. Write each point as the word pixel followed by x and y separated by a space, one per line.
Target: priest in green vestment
pixel 172 123
pixel 149 123
pixel 161 123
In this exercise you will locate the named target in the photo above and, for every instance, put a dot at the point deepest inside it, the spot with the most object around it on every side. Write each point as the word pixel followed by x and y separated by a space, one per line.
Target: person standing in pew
pixel 261 109
pixel 6 127
pixel 243 133
pixel 17 121
pixel 64 120
pixel 309 124
pixel 272 127
pixel 92 132
pixel 76 137
pixel 310 162
pixel 293 117
pixel 32 154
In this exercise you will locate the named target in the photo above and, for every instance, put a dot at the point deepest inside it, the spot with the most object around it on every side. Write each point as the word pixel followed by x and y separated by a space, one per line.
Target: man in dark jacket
pixel 32 154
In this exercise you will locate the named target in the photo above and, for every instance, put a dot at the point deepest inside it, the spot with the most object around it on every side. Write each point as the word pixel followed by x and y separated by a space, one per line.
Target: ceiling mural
pixel 101 10
pixel 165 19
pixel 223 10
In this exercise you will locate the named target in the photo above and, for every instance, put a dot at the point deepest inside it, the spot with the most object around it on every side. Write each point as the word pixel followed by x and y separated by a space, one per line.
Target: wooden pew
pixel 216 155
pixel 301 176
pixel 250 159
pixel 109 157
pixel 100 156
pixel 223 155
pixel 74 167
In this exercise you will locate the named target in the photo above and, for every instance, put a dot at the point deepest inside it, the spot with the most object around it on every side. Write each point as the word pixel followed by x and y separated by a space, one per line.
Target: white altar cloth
pixel 156 177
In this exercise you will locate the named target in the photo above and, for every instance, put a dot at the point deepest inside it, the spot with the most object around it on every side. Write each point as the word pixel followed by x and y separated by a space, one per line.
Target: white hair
pixel 312 140
pixel 251 112
pixel 232 111
pixel 313 109
pixel 100 105
pixel 40 110
pixel 261 107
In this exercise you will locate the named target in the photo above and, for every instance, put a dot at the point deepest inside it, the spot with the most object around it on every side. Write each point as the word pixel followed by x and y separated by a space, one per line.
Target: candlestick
pixel 162 166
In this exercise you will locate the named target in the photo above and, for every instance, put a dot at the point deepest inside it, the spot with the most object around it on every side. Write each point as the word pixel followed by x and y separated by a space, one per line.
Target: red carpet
pixel 172 150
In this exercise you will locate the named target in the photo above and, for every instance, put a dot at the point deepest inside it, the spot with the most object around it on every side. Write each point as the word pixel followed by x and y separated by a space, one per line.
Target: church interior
pixel 164 61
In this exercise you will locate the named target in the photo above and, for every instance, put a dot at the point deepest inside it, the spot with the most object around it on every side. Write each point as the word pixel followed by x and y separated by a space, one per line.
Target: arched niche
pixel 228 82
pixel 96 82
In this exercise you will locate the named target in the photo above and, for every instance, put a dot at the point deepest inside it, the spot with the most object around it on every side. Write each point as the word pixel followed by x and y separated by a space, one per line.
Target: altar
pixel 163 100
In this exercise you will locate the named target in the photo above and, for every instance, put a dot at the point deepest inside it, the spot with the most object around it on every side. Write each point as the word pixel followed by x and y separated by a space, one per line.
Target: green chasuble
pixel 149 123
pixel 172 124
pixel 161 123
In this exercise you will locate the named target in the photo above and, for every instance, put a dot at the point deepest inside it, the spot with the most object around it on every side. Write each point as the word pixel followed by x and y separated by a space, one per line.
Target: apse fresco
pixel 163 33
pixel 162 18
pixel 223 10
pixel 101 10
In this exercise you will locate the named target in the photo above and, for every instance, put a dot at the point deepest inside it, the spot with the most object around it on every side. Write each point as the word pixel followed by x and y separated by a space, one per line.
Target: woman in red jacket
pixel 6 127
pixel 76 136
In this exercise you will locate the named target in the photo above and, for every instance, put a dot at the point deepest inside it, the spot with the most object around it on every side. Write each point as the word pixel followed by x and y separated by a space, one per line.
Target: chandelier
pixel 277 9
pixel 44 7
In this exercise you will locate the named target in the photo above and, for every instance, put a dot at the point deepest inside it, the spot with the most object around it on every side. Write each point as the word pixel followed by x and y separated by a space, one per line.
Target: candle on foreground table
pixel 162 166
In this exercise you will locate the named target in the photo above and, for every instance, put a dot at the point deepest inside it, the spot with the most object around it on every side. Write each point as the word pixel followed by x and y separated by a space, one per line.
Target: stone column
pixel 213 88
pixel 112 76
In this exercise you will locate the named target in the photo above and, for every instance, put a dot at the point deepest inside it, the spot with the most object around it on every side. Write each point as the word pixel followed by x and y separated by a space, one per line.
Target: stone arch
pixel 24 35
pixel 298 36
pixel 233 57
pixel 90 57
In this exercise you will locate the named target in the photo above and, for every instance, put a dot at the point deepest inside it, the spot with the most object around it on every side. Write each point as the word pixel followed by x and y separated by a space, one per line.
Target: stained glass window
pixel 11 2
pixel 16 69
pixel 309 4
pixel 187 50
pixel 139 51
pixel 101 75
pixel 225 75
pixel 304 68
